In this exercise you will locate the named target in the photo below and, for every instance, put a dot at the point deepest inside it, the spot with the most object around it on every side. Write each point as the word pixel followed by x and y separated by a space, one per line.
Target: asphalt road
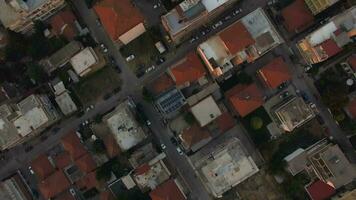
pixel 17 158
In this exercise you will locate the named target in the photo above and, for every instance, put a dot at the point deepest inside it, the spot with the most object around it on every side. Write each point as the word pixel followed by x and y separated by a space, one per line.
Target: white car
pixel 130 57
pixel 150 68
pixel 217 24
pixel 103 48
pixel 179 150
pixel 31 170
pixel 163 146
pixel 148 122
pixel 237 11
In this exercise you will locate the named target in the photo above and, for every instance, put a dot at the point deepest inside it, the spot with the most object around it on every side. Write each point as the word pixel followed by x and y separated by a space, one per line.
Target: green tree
pixel 244 78
pixel 16 47
pixel 103 173
pixel 36 73
pixel 147 95
pixel 256 123
pixel 189 118
pixel 99 146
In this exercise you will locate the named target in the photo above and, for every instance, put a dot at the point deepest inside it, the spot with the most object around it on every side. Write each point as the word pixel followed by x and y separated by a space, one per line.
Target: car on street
pixel 193 39
pixel 160 61
pixel 150 69
pixel 237 11
pixel 320 119
pixel 130 57
pixel 148 122
pixel 98 22
pixel 217 24
pixel 282 86
pixel 163 146
pixel 31 170
pixel 174 141
pixel 284 95
pixel 103 48
pixel 179 150
pixel 226 18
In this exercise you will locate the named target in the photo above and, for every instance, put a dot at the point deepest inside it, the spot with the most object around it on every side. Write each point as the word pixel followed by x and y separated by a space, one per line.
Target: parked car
pixel 284 95
pixel 103 48
pixel 226 18
pixel 31 170
pixel 163 146
pixel 150 69
pixel 179 150
pixel 130 57
pixel 193 39
pixel 217 24
pixel 174 141
pixel 148 122
pixel 237 11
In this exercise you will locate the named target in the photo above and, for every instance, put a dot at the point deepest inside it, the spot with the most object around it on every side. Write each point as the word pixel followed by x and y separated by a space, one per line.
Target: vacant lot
pixel 144 50
pixel 97 85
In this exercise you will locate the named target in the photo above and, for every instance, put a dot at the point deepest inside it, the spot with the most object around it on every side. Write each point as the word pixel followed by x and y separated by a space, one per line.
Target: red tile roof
pixel 275 73
pixel 88 181
pixel 62 160
pixel 54 185
pixel 162 83
pixel 71 143
pixel 63 24
pixel 168 190
pixel 42 167
pixel 66 196
pixel 142 169
pixel 245 98
pixel 194 134
pixel 112 148
pixel 118 16
pixel 106 195
pixel 351 108
pixel 86 163
pixel 236 37
pixel 320 190
pixel 188 70
pixel 352 61
pixel 225 122
pixel 297 10
pixel 330 47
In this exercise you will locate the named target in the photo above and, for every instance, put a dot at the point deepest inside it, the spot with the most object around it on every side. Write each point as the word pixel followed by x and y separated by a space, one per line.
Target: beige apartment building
pixel 191 14
pixel 20 15
pixel 317 6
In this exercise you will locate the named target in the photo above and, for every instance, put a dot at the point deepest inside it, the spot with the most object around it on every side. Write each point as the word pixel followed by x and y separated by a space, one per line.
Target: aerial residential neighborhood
pixel 177 99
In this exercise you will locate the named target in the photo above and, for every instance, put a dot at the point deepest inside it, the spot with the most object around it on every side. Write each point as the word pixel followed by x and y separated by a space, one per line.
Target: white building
pixel 124 127
pixel 83 61
pixel 20 15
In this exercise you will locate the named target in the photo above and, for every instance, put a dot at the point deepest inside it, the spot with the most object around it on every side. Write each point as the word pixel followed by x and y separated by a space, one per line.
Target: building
pixel 293 113
pixel 274 73
pixel 191 14
pixel 317 6
pixel 84 61
pixel 142 155
pixel 54 185
pixel 124 127
pixel 329 40
pixel 15 188
pixel 297 10
pixel 121 20
pixel 61 57
pixel 188 70
pixel 245 98
pixel 320 190
pixel 326 162
pixel 224 166
pixel 20 15
pixel 64 23
pixel 244 41
pixel 63 99
pixel 194 138
pixel 151 174
pixel 162 83
pixel 351 108
pixel 168 190
pixel 350 195
pixel 296 161
pixel 206 111
pixel 27 118
pixel 170 101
